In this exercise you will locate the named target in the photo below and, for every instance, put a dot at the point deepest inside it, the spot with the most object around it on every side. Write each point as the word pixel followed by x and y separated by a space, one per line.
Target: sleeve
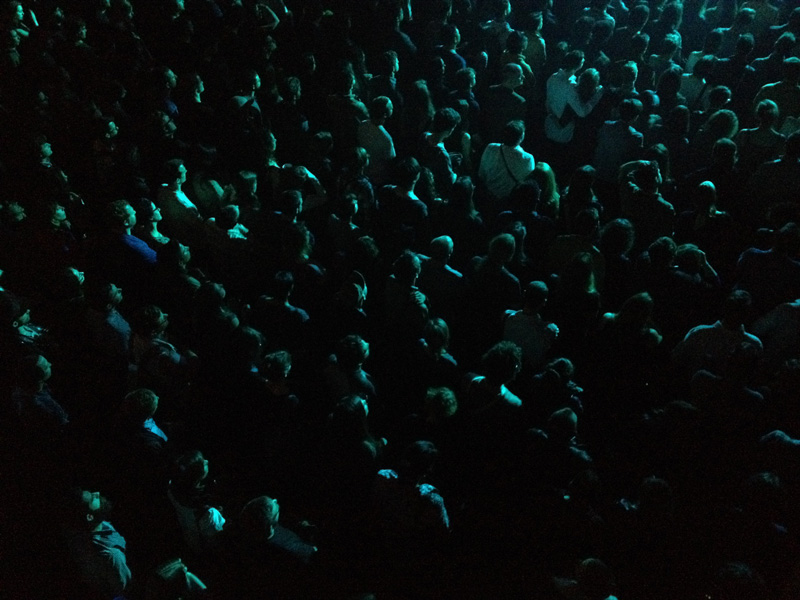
pixel 113 571
pixel 582 109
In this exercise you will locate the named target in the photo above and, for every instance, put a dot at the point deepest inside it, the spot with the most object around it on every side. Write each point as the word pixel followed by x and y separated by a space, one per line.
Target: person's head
pixel 724 152
pixel 536 293
pixel 638 17
pixel 120 215
pixel 662 252
pixel 636 311
pixel 745 44
pixel 767 113
pixel 512 75
pixel 228 217
pixel 150 321
pixel 258 519
pixel 744 17
pixel 704 67
pixel 465 79
pixel 787 239
pixel 380 109
pixel 617 237
pixel 573 61
pixel 516 42
pixel 671 15
pixel 501 248
pixel 291 203
pixel 174 172
pixel 705 196
pixel 648 177
pixel 713 41
pixel 445 121
pixel 784 44
pixel 501 363
pixel 190 469
pixel 441 248
pixel 595 579
pixel 282 285
pixel 562 426
pixel 407 267
pixel 629 110
pixel 669 83
pixel 277 365
pixel 629 73
pixel 102 295
pixel 351 352
pixel 437 335
pixel 736 308
pixel 669 45
pixel 449 36
pixel 85 509
pixel 407 172
pixel 388 64
pixel 440 403
pixel 791 70
pixel 147 211
pixel 656 498
pixel 139 405
pixel 461 196
pixel 417 460
pixel 718 97
pixel 587 222
pixel 639 44
pixel 14 312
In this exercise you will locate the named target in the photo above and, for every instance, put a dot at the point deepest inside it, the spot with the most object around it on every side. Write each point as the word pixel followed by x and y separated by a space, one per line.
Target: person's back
pixel 772 276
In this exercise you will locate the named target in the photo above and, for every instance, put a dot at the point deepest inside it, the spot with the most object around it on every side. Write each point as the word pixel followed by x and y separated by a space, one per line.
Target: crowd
pixel 493 298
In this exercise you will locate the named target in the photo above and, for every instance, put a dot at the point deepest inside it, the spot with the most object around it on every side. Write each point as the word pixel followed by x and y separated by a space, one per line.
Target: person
pixel 36 412
pixel 528 329
pixel 763 143
pixel 373 137
pixel 785 93
pixel 441 283
pixel 507 105
pixel 410 513
pixel 181 218
pixel 190 491
pixel 505 165
pixel 642 203
pixel 263 556
pixel 618 142
pixel 562 92
pixel 433 154
pixel 96 547
pixel 709 345
pixel 149 216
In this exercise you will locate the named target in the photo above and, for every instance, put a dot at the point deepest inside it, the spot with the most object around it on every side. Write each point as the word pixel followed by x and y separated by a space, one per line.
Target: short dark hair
pixel 117 213
pixel 501 362
pixel 513 133
pixel 573 60
pixel 407 171
pixel 445 119
pixel 629 109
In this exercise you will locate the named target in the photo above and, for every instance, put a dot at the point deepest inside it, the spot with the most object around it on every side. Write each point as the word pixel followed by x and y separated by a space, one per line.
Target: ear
pixel 89 517
pixel 15 324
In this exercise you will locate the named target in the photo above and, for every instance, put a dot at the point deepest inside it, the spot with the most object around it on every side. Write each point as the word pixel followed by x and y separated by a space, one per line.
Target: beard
pixel 104 511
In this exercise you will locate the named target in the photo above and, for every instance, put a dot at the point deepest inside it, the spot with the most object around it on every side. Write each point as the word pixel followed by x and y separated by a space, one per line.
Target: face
pixel 171 79
pixel 364 405
pixel 131 220
pixel 115 295
pixel 97 507
pixel 16 213
pixel 19 13
pixel 183 171
pixel 46 150
pixel 79 275
pixel 112 130
pixel 45 368
pixel 59 214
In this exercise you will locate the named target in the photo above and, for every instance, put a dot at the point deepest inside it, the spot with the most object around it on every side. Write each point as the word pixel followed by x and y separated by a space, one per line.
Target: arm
pixel 582 109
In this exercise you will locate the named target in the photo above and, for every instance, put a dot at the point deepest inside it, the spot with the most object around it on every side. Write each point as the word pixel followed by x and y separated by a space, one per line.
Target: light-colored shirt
pixel 562 91
pixel 503 167
pixel 378 143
